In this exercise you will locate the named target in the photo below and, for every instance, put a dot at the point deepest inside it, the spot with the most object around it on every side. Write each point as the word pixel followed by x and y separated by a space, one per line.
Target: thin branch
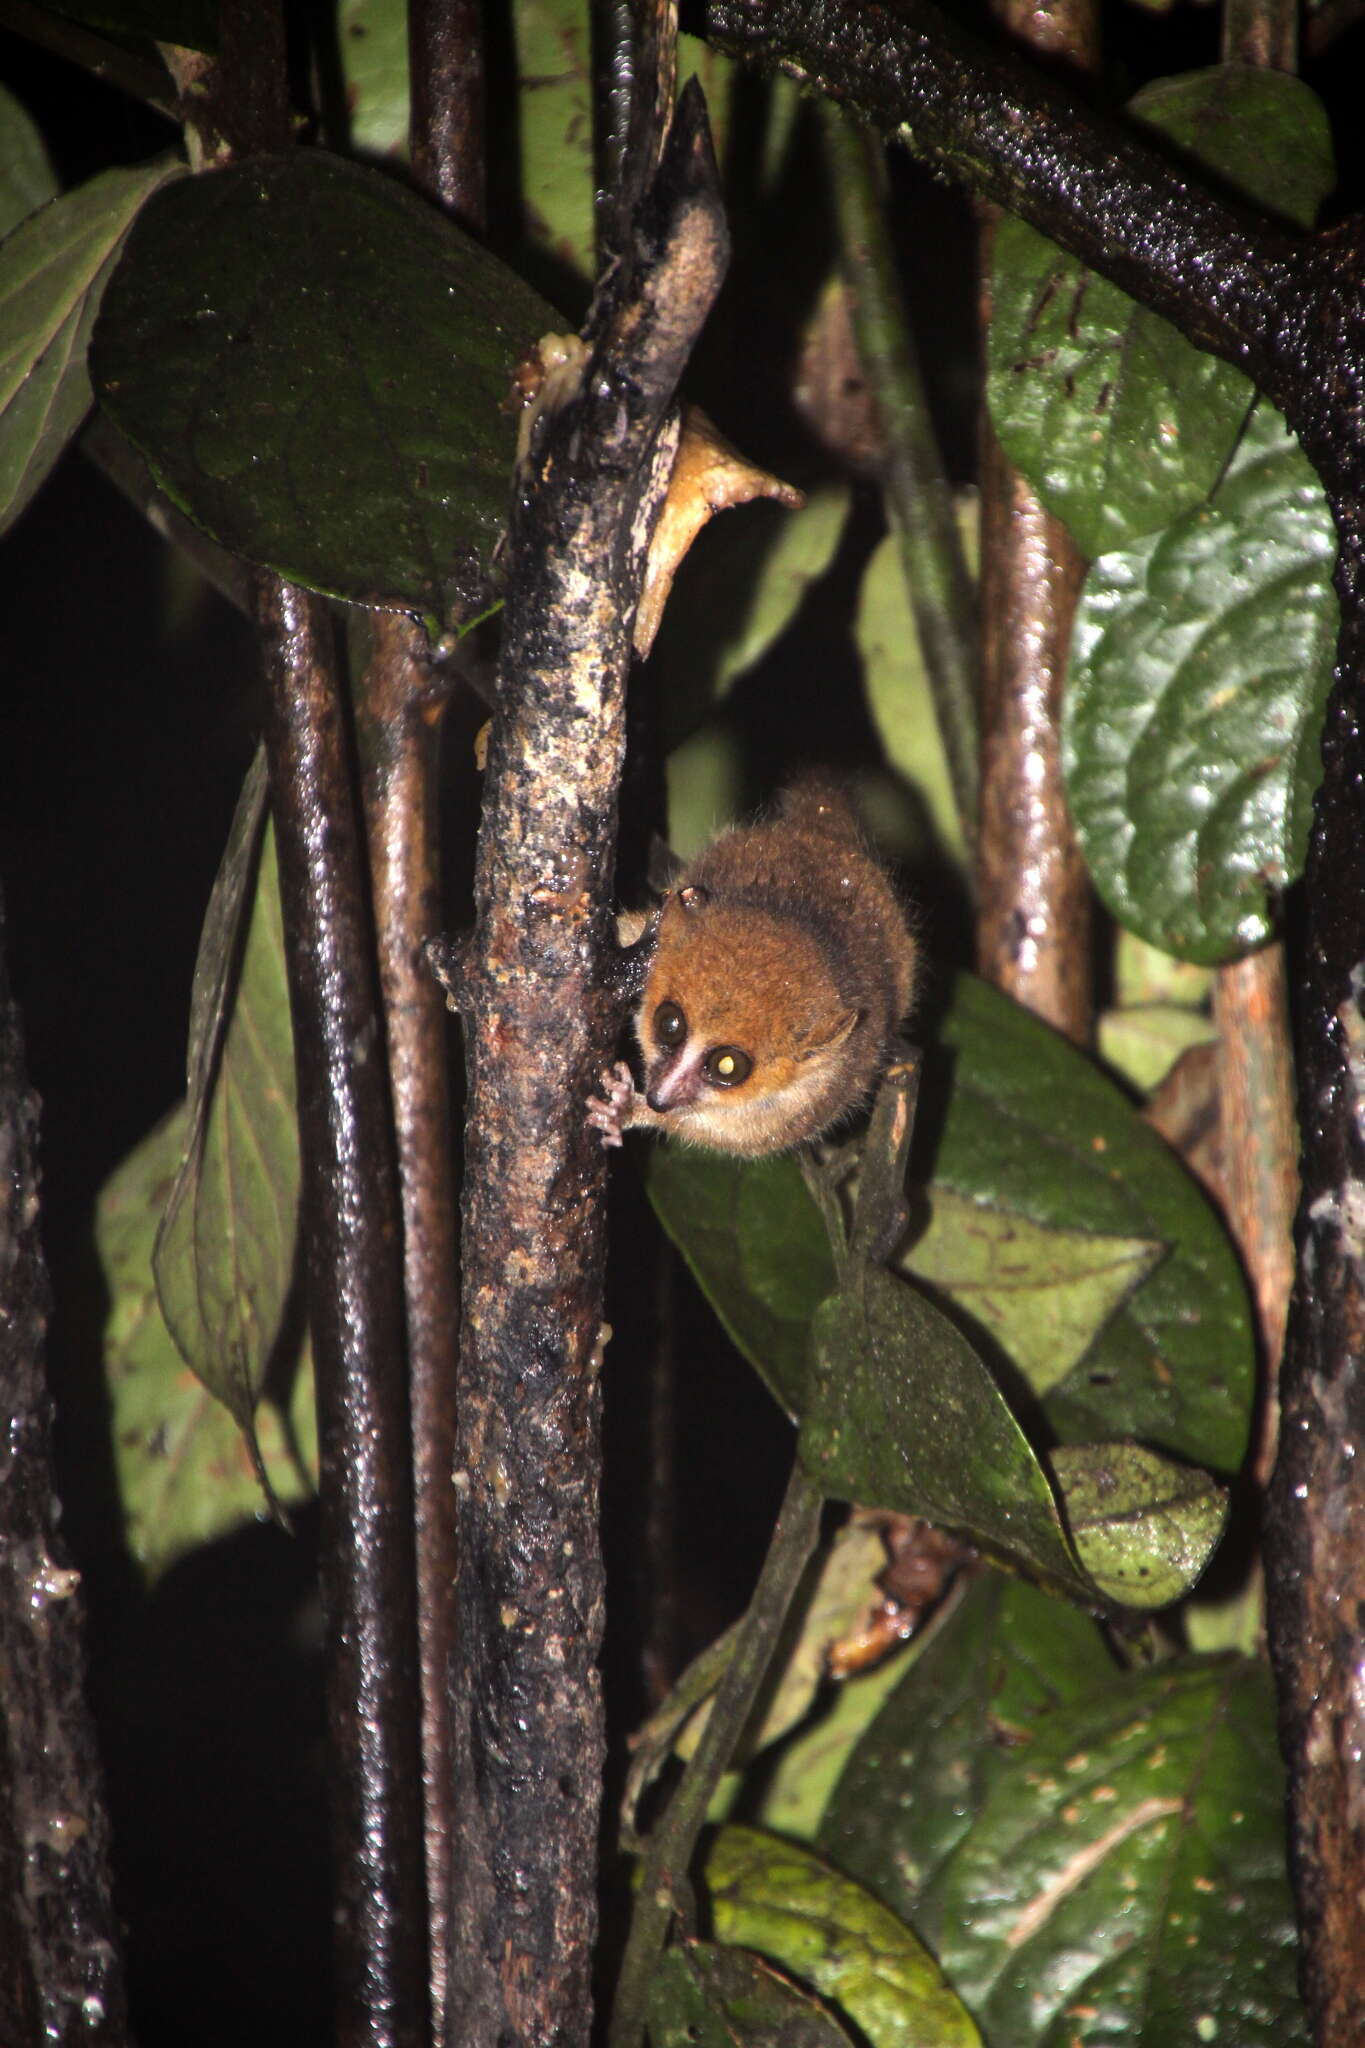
pixel 540 1017
pixel 110 62
pixel 352 1240
pixel 919 499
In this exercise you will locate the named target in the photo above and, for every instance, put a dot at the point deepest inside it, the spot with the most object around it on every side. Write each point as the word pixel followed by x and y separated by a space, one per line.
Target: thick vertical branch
pixel 352 1249
pixel 446 62
pixel 540 1017
pixel 61 1979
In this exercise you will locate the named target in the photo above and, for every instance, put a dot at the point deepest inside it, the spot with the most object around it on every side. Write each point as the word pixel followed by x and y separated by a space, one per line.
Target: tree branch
pixel 540 1016
pixel 352 1249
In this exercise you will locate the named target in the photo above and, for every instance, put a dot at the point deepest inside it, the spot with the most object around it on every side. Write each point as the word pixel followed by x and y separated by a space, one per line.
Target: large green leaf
pixel 27 180
pixel 54 269
pixel 315 364
pixel 1116 420
pixel 1031 1128
pixel 754 1239
pixel 373 39
pixel 898 693
pixel 781 1900
pixel 1200 668
pixel 903 1414
pixel 1003 1656
pixel 706 1996
pixel 226 1250
pixel 1123 1880
pixel 185 1472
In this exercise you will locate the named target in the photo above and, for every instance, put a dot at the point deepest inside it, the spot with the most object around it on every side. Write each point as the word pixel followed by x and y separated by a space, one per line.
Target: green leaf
pixel 1123 1878
pixel 705 1996
pixel 314 363
pixel 1145 1528
pixel 554 84
pixel 796 1790
pixel 1200 668
pixel 54 268
pixel 226 1249
pixel 185 1473
pixel 787 1904
pixel 1042 1293
pixel 898 694
pixel 998 1659
pixel 903 1414
pixel 1117 421
pixel 27 180
pixel 754 1239
pixel 1032 1128
pixel 1144 1043
pixel 373 38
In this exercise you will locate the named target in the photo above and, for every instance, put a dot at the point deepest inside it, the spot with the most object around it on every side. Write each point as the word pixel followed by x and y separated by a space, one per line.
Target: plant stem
pixel 663 1891
pixel 919 501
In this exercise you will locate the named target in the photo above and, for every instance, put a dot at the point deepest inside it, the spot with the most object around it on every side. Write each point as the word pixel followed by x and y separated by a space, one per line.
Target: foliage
pixel 1043 1823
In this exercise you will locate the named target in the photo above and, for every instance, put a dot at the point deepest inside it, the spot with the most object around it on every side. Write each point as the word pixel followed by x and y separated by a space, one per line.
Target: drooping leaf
pixel 314 363
pixel 226 1249
pixel 1117 421
pixel 1000 1658
pixel 901 1413
pixel 1044 1294
pixel 1200 669
pixel 1031 1127
pixel 27 180
pixel 754 1239
pixel 787 1904
pixel 54 269
pixel 1123 1879
pixel 706 1996
pixel 1144 1527
pixel 185 1473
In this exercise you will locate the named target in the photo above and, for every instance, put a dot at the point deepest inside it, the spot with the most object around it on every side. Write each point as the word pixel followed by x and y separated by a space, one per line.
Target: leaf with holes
pixel 1117 421
pixel 316 364
pixel 1200 669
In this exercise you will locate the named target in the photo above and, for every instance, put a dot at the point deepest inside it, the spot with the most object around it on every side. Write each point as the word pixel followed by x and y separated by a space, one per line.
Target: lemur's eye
pixel 670 1025
pixel 727 1066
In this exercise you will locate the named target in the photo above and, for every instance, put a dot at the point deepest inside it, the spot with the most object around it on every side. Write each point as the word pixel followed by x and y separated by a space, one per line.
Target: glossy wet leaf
pixel 707 1996
pixel 789 1905
pixel 1003 1655
pixel 1145 1528
pixel 1117 421
pixel 27 180
pixel 225 1254
pixel 1200 668
pixel 185 1473
pixel 1044 1294
pixel 315 363
pixel 54 269
pixel 1122 1879
pixel 754 1239
pixel 902 1413
pixel 1031 1127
